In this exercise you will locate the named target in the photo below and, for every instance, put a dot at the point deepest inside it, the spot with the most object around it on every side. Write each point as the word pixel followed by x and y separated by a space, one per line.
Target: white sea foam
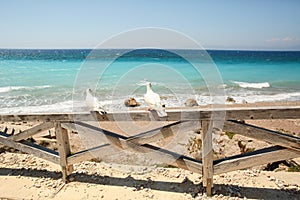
pixel 117 104
pixel 61 107
pixel 11 88
pixel 252 85
pixel 145 82
pixel 253 98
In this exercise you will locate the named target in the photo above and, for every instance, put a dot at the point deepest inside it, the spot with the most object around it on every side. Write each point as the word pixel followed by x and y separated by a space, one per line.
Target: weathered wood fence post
pixel 207 156
pixel 64 151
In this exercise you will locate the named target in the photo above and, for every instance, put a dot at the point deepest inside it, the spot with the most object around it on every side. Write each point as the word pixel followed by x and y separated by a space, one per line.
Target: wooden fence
pixel 284 146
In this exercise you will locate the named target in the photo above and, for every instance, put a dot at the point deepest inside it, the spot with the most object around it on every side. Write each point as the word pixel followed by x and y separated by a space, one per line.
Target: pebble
pixel 281 186
pixel 177 175
pixel 293 187
pixel 37 185
pixel 279 183
pixel 228 180
pixel 271 178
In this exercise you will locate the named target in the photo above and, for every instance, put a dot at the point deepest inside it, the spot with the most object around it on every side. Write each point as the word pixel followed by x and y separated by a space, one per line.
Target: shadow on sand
pixel 187 186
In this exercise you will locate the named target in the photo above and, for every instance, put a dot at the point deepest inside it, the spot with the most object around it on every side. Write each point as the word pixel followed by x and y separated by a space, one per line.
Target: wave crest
pixel 252 85
pixel 11 88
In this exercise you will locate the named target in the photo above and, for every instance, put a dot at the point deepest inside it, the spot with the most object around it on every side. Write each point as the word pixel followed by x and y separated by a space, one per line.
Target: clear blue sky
pixel 230 24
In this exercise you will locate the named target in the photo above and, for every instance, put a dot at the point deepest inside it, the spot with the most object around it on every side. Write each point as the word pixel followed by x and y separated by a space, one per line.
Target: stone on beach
pixel 230 100
pixel 191 103
pixel 131 102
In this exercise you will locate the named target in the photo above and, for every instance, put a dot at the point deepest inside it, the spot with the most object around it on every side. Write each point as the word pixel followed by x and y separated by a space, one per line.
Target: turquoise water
pixel 52 80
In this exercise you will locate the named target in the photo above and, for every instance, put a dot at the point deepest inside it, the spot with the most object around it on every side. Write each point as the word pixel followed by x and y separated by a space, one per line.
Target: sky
pixel 214 24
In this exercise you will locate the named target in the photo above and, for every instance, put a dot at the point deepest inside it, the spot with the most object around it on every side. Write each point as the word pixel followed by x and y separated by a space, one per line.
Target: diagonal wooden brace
pixel 32 131
pixel 272 137
pixel 125 143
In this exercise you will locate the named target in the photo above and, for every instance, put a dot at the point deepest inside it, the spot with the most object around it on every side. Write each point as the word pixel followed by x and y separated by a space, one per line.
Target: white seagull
pixel 92 103
pixel 153 101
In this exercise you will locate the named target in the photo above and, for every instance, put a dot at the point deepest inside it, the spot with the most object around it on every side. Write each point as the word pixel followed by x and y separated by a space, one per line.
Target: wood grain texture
pixel 207 156
pixel 32 131
pixel 31 148
pixel 275 112
pixel 259 157
pixel 288 147
pixel 272 137
pixel 63 149
pixel 124 143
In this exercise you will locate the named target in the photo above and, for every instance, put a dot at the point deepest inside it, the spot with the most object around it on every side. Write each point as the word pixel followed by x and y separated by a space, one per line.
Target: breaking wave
pixel 12 88
pixel 252 85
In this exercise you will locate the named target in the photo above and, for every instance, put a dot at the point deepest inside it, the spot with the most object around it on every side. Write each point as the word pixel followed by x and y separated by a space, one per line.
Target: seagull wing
pixel 160 110
pixel 92 102
pixel 153 101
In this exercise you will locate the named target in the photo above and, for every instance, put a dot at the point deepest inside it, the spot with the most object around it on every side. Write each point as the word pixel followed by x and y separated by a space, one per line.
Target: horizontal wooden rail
pixel 276 112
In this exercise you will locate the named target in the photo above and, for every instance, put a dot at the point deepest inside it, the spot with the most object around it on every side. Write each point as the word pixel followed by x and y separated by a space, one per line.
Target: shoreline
pixel 123 108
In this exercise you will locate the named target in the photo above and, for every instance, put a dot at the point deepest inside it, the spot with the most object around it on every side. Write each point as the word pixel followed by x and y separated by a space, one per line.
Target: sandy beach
pixel 164 100
pixel 35 178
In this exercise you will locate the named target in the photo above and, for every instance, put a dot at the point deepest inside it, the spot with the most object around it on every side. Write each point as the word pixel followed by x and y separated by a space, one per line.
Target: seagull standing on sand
pixel 153 101
pixel 92 103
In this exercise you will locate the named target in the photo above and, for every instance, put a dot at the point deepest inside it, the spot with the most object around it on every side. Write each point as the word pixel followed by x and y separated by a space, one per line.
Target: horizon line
pixel 207 49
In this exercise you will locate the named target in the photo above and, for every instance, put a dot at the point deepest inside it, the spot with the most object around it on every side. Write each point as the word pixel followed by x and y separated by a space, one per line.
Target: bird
pixel 153 101
pixel 92 103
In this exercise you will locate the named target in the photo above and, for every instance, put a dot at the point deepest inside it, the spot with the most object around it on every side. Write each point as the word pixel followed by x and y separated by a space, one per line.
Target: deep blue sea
pixel 56 80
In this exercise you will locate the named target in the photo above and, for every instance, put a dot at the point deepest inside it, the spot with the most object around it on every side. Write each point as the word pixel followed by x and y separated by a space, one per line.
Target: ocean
pixel 35 81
